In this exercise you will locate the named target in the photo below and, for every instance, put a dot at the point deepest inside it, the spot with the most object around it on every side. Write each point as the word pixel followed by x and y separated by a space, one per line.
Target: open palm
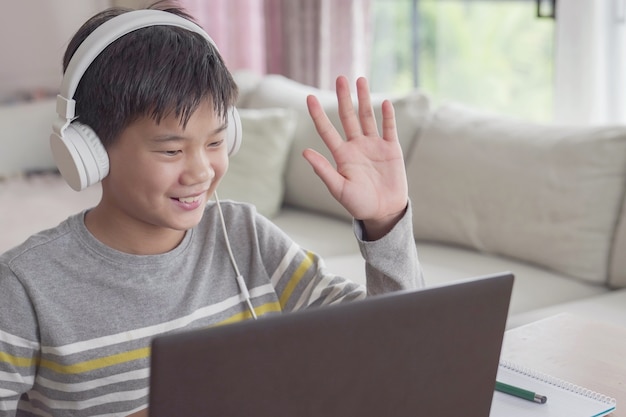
pixel 369 177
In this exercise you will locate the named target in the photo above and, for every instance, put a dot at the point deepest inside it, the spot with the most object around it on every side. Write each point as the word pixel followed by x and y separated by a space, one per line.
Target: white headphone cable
pixel 242 284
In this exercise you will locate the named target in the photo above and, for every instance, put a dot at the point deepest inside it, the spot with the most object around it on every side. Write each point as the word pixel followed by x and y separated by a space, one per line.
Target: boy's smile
pixel 190 203
pixel 161 177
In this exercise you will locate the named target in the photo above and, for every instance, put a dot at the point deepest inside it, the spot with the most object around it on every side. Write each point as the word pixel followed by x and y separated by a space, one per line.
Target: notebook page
pixel 572 402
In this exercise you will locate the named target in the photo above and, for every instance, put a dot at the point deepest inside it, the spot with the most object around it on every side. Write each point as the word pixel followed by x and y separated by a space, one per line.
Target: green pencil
pixel 521 393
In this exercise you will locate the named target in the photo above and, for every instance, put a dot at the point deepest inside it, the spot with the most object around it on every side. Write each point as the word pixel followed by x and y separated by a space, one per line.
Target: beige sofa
pixel 489 194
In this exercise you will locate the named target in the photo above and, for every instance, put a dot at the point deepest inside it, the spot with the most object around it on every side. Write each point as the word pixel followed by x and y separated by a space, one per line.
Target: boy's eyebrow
pixel 175 138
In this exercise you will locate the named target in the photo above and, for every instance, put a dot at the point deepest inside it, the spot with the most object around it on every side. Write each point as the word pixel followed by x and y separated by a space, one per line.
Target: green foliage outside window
pixel 495 55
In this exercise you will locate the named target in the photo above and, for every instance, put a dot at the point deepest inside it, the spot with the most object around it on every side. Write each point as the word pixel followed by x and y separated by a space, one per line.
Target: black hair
pixel 150 72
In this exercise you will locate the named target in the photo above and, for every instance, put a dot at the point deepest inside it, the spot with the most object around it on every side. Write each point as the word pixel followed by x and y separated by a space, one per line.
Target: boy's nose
pixel 199 169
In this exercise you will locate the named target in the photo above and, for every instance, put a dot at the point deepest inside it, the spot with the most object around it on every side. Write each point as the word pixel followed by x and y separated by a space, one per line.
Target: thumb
pixel 327 173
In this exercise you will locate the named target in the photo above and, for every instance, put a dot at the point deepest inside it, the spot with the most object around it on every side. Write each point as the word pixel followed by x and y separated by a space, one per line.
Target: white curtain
pixel 590 65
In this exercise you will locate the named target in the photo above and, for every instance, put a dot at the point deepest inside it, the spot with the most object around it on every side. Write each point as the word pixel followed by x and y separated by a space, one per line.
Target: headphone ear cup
pixel 234 132
pixel 80 156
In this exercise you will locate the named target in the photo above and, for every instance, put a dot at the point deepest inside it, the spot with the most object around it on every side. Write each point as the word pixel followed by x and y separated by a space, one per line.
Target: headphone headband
pixel 104 35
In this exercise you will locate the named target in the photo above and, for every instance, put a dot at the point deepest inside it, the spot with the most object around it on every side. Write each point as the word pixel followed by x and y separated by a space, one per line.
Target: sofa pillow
pixel 548 195
pixel 302 187
pixel 255 174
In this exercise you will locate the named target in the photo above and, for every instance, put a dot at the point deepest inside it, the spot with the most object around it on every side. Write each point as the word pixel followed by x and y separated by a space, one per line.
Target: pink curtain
pixel 310 41
pixel 237 27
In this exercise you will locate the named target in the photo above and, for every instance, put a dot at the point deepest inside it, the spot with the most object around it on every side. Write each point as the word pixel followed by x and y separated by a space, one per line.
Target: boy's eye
pixel 216 143
pixel 171 153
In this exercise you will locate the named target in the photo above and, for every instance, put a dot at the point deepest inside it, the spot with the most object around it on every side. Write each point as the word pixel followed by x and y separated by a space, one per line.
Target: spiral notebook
pixel 564 398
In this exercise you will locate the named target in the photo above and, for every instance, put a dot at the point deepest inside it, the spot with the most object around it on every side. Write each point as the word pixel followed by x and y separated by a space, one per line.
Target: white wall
pixel 33 38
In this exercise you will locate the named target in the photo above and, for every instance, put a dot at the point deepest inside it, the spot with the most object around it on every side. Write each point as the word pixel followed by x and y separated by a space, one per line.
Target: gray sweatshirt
pixel 77 317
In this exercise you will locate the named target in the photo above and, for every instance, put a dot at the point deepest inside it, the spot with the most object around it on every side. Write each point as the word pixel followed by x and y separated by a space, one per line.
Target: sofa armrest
pixel 617 271
pixel 26 128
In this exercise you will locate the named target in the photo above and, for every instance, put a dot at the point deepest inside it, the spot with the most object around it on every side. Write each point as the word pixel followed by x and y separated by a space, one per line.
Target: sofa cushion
pixel 303 188
pixel 543 194
pixel 325 235
pixel 255 173
pixel 535 287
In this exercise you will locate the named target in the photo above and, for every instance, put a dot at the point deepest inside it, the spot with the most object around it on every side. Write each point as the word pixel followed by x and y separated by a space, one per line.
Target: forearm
pixel 392 262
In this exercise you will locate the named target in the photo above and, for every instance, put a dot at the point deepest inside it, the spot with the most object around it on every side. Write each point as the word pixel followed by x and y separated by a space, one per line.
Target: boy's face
pixel 162 175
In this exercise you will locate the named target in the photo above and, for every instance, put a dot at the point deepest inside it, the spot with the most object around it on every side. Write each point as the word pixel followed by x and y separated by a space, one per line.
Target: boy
pixel 80 303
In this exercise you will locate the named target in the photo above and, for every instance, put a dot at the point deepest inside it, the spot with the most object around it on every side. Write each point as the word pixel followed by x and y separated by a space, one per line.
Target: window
pixel 494 55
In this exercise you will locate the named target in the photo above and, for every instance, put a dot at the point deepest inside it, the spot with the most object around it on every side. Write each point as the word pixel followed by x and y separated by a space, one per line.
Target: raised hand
pixel 369 177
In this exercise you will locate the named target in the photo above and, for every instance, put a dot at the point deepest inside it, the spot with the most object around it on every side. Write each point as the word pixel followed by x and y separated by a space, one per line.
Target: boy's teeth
pixel 188 199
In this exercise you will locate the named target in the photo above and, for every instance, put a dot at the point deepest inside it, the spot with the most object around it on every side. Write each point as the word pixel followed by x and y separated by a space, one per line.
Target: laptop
pixel 429 352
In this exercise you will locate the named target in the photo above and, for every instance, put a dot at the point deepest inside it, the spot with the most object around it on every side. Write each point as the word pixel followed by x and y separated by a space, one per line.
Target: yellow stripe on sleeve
pixel 295 279
pixel 17 361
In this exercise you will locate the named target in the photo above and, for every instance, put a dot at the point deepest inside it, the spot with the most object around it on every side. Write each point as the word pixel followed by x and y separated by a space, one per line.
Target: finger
pixel 390 131
pixel 324 127
pixel 347 115
pixel 366 111
pixel 327 173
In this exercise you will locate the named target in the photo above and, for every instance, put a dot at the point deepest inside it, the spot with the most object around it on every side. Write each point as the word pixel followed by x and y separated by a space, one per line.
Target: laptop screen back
pixel 431 352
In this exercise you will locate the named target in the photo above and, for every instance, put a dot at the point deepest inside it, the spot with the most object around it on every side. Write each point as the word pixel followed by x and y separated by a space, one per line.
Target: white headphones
pixel 77 150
